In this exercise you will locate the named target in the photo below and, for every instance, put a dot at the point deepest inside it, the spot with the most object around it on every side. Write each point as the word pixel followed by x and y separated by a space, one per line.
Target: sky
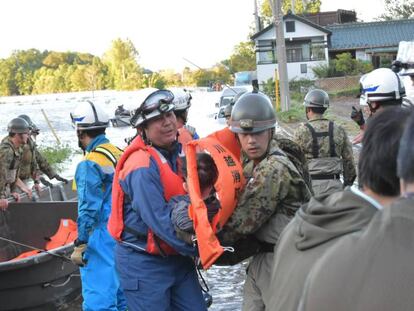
pixel 163 31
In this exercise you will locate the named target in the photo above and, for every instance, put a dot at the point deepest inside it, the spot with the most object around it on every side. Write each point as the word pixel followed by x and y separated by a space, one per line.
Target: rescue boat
pixel 43 278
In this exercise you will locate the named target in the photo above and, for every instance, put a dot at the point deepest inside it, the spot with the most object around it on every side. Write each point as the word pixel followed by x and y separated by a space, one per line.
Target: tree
pixel 301 7
pixel 397 9
pixel 124 71
pixel 242 59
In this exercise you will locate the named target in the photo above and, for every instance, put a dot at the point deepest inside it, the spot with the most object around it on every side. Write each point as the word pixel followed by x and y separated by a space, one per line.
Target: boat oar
pixel 36 249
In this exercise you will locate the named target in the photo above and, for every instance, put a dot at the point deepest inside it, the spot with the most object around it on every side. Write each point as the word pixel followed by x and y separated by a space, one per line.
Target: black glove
pixel 357 116
pixel 243 249
pixel 45 182
pixel 60 178
pixel 187 237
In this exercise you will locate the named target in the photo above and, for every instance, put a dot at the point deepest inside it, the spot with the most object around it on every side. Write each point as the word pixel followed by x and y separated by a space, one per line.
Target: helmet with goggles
pixel 156 104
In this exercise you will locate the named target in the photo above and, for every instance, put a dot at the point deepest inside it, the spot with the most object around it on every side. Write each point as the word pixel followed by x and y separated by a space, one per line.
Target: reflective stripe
pixel 106 153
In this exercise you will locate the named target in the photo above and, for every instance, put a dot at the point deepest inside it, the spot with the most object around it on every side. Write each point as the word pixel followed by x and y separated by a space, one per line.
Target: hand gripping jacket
pixel 172 185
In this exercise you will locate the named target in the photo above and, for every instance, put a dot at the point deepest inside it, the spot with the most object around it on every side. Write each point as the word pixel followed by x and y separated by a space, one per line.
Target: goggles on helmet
pixel 154 105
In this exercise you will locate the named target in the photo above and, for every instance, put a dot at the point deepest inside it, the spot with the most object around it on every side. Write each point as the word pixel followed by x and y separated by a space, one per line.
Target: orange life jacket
pixel 184 136
pixel 66 233
pixel 139 156
pixel 229 183
pixel 228 139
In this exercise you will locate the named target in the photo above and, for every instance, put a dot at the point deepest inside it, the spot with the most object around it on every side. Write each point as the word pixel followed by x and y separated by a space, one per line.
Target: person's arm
pixel 43 165
pixel 145 190
pixel 23 187
pixel 347 156
pixel 259 200
pixel 90 198
pixel 4 204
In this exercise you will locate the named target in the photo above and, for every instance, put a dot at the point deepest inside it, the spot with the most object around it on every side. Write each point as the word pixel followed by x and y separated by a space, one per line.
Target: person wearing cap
pixel 380 88
pixel 94 247
pixel 326 147
pixel 275 189
pixel 33 162
pixel 324 221
pixel 155 266
pixel 10 158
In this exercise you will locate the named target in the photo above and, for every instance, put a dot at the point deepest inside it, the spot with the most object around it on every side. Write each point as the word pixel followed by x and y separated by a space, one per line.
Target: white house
pixel 306 47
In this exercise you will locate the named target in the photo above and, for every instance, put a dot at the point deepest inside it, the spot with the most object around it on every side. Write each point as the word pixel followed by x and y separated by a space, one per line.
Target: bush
pixel 56 155
pixel 343 65
pixel 325 70
pixel 301 85
pixel 296 113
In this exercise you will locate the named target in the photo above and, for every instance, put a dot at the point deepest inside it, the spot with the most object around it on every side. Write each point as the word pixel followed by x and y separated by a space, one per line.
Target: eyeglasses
pixel 160 100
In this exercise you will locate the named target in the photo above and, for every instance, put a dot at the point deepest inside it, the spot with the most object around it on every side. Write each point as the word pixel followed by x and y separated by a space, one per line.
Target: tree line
pixel 32 71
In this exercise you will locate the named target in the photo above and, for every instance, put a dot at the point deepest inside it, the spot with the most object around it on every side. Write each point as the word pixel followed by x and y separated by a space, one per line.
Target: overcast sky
pixel 163 31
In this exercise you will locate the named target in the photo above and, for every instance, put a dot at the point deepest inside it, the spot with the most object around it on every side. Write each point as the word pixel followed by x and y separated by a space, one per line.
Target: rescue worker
pixel 182 104
pixel 94 247
pixel 33 162
pixel 380 88
pixel 155 267
pixel 324 221
pixel 372 269
pixel 326 147
pixel 275 189
pixel 10 157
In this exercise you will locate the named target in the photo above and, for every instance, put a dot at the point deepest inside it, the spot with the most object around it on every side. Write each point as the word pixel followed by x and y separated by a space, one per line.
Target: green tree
pixel 242 59
pixel 301 7
pixel 398 9
pixel 124 71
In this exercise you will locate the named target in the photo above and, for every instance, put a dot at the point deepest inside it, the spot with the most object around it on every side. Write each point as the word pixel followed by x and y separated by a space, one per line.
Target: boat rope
pixel 61 284
pixel 35 248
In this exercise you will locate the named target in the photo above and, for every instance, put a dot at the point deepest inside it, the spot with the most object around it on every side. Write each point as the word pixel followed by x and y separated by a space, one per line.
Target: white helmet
pixel 182 99
pixel 156 104
pixel 381 85
pixel 89 116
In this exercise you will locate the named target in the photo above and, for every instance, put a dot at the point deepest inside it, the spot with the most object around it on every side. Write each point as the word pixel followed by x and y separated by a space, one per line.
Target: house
pixel 306 47
pixel 309 44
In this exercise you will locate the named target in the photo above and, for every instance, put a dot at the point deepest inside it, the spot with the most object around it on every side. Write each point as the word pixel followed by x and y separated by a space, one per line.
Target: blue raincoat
pixel 100 285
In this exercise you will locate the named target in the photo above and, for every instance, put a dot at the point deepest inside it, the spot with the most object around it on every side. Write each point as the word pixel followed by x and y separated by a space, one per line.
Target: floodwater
pixel 225 283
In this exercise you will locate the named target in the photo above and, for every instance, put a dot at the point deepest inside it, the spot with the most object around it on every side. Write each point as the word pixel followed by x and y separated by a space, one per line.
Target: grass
pixel 295 114
pixel 56 155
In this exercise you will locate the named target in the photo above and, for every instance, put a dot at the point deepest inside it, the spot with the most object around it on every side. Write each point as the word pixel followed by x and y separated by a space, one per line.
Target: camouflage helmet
pixel 316 98
pixel 33 126
pixel 18 126
pixel 253 112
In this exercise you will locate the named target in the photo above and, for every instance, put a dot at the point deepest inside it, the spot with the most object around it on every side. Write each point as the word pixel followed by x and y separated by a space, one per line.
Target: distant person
pixel 372 269
pixel 182 104
pixel 326 146
pixel 381 88
pixel 321 223
pixel 10 158
pixel 33 163
pixel 94 247
pixel 207 177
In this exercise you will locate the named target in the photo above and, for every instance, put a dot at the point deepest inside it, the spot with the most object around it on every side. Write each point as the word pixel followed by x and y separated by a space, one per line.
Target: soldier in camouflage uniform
pixel 32 161
pixel 10 159
pixel 275 189
pixel 326 146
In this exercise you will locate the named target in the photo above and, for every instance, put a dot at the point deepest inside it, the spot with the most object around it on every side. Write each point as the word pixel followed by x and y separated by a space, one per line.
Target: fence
pixel 338 83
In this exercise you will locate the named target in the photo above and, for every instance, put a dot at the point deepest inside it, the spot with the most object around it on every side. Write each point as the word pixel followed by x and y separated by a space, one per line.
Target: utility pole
pixel 281 54
pixel 256 17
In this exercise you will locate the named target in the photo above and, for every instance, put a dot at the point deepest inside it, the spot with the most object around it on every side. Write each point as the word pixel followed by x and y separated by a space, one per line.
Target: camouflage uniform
pixel 33 161
pixel 9 163
pixel 274 191
pixel 328 164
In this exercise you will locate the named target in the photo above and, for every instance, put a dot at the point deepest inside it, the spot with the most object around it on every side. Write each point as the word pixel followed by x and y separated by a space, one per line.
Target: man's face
pixel 21 138
pixel 162 131
pixel 255 144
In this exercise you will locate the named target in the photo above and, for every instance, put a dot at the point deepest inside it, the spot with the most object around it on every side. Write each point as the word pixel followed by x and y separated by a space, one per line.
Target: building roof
pixel 331 17
pixel 291 16
pixel 370 35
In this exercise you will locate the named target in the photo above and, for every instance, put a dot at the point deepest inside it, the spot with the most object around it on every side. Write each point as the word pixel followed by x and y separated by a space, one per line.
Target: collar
pixel 318 118
pixel 98 140
pixel 367 198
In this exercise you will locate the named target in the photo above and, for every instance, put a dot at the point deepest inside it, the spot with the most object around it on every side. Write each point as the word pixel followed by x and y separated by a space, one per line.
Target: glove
pixel 60 178
pixel 357 116
pixel 187 237
pixel 77 255
pixel 45 182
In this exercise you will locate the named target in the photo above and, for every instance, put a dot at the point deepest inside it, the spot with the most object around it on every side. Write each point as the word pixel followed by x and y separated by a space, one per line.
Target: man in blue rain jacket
pixel 94 248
